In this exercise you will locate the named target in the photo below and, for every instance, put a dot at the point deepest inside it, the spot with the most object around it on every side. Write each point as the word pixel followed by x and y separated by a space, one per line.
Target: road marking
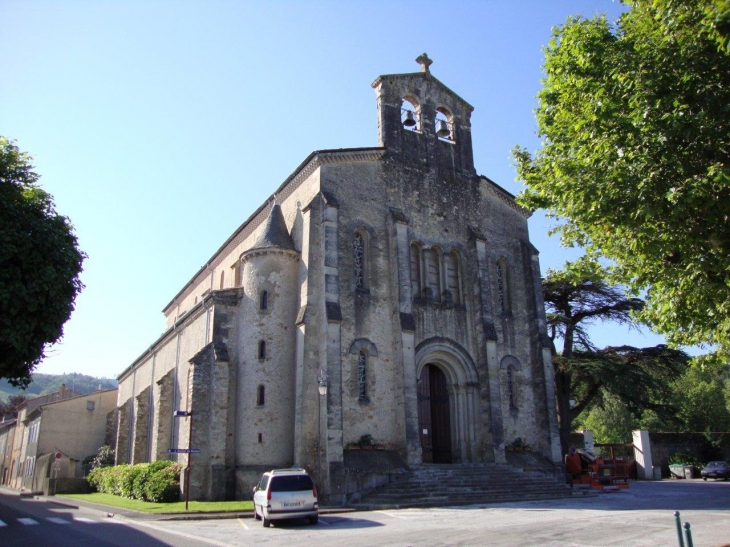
pixel 392 515
pixel 58 520
pixel 321 521
pixel 243 524
pixel 28 522
pixel 181 534
pixel 88 521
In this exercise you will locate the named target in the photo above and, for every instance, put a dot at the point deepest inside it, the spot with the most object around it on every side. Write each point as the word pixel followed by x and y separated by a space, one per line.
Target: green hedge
pixel 157 481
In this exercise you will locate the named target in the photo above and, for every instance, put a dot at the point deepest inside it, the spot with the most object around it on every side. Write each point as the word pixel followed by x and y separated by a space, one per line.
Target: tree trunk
pixel 562 395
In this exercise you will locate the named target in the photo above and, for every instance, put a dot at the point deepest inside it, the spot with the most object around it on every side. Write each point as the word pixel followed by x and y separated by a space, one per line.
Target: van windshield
pixel 295 483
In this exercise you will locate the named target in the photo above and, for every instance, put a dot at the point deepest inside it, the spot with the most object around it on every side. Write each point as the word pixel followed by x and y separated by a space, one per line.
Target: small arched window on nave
pixel 503 290
pixel 360 258
pixel 362 375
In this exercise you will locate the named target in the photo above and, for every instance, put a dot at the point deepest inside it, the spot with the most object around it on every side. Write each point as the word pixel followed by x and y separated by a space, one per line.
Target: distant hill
pixel 48 383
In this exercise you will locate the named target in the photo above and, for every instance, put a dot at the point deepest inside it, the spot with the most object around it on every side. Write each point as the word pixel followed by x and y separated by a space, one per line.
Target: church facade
pixel 387 292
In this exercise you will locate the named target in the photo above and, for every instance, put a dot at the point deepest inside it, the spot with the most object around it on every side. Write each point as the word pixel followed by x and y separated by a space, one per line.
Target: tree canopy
pixel 40 263
pixel 635 121
pixel 585 375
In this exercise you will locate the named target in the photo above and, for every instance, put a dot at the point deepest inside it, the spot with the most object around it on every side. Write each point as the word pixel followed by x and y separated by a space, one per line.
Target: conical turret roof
pixel 275 232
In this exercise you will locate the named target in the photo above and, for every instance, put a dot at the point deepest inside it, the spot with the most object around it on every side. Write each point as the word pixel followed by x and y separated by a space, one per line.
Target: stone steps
pixel 432 485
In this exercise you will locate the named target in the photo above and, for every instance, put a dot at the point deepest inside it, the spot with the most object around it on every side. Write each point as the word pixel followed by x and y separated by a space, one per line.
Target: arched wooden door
pixel 434 421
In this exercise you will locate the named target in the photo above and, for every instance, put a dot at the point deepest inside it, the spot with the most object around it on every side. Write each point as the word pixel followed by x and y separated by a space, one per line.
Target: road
pixel 30 522
pixel 639 517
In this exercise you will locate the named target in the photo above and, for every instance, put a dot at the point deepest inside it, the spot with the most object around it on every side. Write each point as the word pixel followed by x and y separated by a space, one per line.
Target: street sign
pixel 58 455
pixel 183 450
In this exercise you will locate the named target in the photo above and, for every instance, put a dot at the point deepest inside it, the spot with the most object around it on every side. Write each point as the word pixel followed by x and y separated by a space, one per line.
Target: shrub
pixel 157 481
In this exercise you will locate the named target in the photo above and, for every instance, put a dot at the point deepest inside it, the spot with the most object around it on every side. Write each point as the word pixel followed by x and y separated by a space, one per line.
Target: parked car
pixel 285 494
pixel 716 470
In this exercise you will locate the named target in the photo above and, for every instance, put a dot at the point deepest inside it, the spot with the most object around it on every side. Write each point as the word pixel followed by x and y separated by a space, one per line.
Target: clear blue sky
pixel 160 126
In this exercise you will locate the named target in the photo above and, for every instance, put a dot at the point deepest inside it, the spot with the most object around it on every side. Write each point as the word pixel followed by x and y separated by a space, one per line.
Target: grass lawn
pixel 177 507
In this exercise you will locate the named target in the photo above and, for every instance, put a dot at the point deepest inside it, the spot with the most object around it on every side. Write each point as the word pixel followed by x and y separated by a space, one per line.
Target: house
pixel 7 436
pixel 387 292
pixel 54 433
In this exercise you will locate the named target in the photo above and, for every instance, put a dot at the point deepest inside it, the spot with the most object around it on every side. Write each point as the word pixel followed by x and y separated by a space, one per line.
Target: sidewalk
pixel 109 510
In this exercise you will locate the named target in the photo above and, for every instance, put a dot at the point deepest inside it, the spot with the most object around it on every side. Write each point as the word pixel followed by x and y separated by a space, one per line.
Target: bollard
pixel 679 529
pixel 688 535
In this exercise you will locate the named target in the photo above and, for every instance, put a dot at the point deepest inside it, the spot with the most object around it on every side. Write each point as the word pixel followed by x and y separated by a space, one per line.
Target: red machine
pixel 608 475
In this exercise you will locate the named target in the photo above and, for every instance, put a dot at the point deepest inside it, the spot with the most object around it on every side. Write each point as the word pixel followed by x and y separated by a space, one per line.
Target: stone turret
pixel 266 378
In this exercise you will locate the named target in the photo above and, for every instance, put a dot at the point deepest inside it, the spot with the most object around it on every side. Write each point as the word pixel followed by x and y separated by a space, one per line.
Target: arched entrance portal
pixel 434 421
pixel 448 402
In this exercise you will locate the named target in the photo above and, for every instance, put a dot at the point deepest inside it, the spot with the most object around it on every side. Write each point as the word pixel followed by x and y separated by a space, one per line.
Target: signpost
pixel 188 451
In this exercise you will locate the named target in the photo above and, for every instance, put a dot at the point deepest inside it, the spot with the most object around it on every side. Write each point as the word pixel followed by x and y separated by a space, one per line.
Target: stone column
pixel 399 233
pixel 331 436
pixel 490 337
pixel 141 427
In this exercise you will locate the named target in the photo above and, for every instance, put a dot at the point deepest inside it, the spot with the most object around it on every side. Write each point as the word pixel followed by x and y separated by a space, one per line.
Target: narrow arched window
pixel 264 303
pixel 359 258
pixel 503 285
pixel 223 277
pixel 415 270
pixel 262 349
pixel 261 395
pixel 433 273
pixel 362 378
pixel 511 386
pixel 453 282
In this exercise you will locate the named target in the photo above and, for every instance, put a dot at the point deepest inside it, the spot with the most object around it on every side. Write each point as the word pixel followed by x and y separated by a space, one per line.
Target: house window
pixel 223 277
pixel 358 255
pixel 262 350
pixel 264 303
pixel 362 379
pixel 261 395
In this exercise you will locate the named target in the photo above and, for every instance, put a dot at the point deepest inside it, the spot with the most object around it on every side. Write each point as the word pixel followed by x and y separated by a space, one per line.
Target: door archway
pixel 448 401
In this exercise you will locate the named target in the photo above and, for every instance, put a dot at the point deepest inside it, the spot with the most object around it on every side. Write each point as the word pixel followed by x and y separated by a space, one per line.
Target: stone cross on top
pixel 424 61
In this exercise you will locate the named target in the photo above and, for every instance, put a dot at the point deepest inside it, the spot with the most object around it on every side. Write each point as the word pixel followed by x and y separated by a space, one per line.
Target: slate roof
pixel 275 232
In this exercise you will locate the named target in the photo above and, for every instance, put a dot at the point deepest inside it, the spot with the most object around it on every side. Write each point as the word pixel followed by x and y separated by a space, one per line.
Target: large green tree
pixel 576 299
pixel 635 158
pixel 40 263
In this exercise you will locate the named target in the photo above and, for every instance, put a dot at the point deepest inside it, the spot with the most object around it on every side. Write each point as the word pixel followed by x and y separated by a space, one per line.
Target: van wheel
pixel 314 519
pixel 267 522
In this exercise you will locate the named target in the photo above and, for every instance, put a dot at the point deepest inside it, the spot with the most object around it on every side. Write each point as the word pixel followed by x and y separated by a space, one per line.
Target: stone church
pixel 387 291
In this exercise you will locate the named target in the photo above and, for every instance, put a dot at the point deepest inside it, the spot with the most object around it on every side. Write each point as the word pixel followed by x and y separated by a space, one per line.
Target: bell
pixel 410 121
pixel 442 129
